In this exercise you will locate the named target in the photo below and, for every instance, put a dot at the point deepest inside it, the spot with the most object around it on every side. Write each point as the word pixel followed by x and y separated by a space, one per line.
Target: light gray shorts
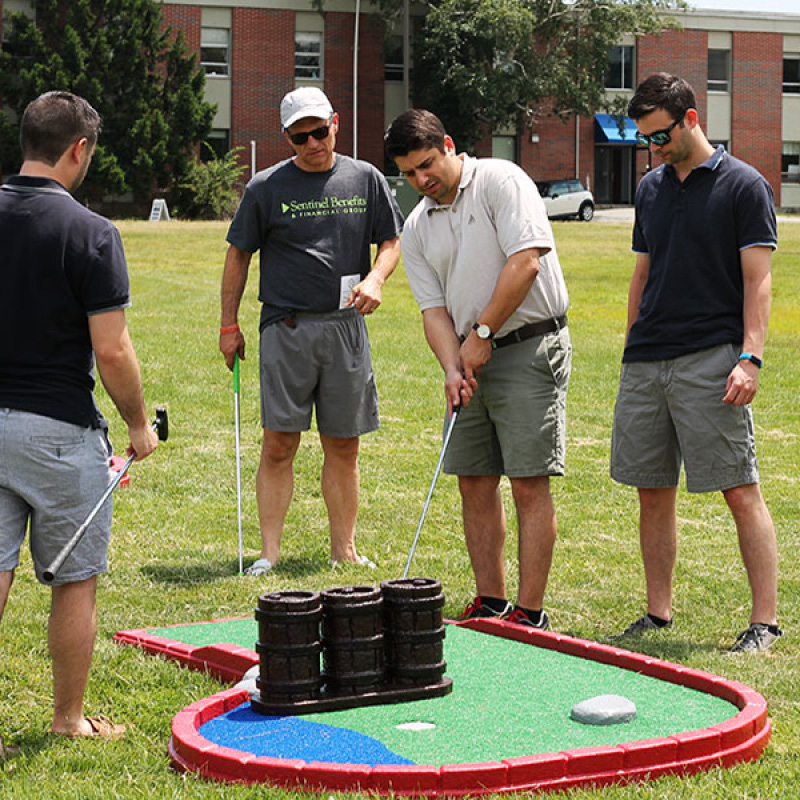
pixel 669 412
pixel 52 474
pixel 324 362
pixel 515 424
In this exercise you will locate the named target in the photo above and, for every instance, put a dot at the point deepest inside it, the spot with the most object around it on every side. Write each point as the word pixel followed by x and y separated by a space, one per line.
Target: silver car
pixel 567 198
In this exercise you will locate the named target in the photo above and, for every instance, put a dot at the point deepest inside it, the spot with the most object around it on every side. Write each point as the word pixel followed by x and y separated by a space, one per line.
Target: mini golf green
pixel 506 725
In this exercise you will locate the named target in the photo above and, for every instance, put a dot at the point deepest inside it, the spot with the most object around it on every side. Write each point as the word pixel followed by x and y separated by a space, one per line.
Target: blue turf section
pixel 293 737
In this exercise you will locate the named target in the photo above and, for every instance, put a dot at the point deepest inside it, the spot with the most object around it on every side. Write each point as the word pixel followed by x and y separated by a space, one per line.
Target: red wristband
pixel 229 329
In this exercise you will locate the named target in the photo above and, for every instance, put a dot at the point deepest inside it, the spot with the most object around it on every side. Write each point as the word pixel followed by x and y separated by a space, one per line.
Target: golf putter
pixel 447 435
pixel 238 458
pixel 161 427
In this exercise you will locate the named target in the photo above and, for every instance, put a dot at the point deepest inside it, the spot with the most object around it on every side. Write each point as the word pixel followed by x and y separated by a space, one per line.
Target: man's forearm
pixel 234 280
pixel 118 367
pixel 387 258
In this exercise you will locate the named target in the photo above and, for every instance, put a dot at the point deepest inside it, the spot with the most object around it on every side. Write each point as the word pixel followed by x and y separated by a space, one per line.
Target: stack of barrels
pixel 349 640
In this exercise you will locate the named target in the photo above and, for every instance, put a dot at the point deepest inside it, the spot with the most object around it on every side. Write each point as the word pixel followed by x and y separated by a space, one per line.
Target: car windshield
pixel 544 188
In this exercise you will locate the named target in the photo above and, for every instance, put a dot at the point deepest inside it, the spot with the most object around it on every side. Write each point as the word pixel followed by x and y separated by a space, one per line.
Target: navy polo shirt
pixel 59 264
pixel 693 232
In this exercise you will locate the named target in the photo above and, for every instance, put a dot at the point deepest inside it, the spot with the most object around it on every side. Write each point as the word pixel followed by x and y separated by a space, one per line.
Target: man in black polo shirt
pixel 64 290
pixel 698 308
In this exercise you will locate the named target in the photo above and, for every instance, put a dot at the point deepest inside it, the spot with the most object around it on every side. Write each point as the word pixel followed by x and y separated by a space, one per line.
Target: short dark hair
pixel 662 91
pixel 54 121
pixel 415 129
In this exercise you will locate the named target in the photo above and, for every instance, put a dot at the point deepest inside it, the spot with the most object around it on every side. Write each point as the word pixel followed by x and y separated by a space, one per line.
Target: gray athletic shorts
pixel 323 362
pixel 515 424
pixel 670 412
pixel 52 474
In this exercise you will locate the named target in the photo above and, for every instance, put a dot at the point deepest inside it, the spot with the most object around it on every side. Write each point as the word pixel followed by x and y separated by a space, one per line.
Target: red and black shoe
pixel 477 608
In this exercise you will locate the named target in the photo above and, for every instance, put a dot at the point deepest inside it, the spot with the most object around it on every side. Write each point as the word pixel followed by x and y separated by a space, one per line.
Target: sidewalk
pixel 625 214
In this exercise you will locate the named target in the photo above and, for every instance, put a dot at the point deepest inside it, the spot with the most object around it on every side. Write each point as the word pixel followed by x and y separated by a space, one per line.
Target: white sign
pixel 159 210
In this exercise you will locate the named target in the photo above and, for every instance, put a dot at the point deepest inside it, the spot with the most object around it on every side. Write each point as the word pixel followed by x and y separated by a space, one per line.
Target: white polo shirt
pixel 453 254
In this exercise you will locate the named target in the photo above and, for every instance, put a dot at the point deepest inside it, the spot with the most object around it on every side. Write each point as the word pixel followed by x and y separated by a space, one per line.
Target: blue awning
pixel 607 130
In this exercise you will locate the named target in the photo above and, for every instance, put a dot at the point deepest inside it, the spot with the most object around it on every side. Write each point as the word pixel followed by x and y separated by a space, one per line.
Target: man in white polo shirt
pixel 482 264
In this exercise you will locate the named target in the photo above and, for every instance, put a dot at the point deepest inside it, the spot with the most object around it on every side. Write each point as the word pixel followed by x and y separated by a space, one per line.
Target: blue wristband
pixel 750 357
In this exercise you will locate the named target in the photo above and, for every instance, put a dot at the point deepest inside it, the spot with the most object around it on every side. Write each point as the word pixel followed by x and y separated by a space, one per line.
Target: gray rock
pixel 605 709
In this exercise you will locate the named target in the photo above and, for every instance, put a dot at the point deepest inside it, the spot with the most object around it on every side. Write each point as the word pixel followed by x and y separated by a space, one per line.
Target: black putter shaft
pixel 447 435
pixel 161 426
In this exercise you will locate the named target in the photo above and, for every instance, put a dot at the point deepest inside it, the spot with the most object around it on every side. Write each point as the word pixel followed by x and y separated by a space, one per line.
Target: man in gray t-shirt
pixel 313 218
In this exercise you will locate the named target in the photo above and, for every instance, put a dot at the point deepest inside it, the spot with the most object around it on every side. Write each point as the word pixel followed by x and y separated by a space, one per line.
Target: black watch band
pixel 750 357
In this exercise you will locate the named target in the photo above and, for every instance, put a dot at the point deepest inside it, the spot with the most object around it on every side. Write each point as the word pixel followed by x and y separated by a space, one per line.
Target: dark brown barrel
pixel 413 631
pixel 289 646
pixel 352 639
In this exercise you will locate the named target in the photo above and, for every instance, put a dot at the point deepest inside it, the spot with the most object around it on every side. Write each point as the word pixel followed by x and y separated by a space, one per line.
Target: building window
pixel 393 60
pixel 216 145
pixel 719 70
pixel 790 162
pixel 791 74
pixel 214 51
pixel 308 55
pixel 620 68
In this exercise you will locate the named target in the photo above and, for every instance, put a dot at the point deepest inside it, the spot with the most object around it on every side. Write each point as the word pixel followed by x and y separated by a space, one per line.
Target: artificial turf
pixel 509 699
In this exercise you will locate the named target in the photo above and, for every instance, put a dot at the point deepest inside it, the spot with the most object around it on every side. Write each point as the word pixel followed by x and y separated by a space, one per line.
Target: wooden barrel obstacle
pixel 350 645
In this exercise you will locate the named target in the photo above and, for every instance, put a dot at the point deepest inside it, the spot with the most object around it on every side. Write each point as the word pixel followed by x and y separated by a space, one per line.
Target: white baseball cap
pixel 307 101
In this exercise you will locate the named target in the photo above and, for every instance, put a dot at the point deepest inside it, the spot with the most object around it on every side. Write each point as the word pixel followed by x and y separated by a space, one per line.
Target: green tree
pixel 130 66
pixel 209 189
pixel 485 64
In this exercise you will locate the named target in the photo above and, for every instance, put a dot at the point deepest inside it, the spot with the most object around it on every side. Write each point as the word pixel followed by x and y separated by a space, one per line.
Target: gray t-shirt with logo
pixel 313 231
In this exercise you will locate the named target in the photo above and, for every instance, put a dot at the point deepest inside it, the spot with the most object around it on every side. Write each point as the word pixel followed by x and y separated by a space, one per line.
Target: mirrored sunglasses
pixel 318 133
pixel 659 138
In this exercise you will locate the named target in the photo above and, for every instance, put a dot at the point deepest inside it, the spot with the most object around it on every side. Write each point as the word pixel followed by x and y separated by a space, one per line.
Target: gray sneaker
pixel 521 618
pixel 756 638
pixel 640 626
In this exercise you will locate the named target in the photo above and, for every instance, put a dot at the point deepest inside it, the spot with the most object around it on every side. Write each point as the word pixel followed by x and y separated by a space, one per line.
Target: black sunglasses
pixel 318 133
pixel 661 137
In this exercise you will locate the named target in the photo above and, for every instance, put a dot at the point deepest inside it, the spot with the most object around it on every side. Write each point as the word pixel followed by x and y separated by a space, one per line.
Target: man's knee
pixel 744 499
pixel 278 448
pixel 340 449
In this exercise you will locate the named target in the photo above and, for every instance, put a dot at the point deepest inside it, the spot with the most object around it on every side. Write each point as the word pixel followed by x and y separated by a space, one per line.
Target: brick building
pixel 745 68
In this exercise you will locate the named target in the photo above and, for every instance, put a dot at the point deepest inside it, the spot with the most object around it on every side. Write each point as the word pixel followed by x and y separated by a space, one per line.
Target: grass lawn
pixel 174 554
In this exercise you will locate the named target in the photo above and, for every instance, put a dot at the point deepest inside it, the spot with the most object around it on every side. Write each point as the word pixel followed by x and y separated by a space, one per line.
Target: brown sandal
pixel 7 751
pixel 102 727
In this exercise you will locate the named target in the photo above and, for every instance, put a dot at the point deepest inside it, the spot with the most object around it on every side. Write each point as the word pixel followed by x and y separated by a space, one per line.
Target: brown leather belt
pixel 530 330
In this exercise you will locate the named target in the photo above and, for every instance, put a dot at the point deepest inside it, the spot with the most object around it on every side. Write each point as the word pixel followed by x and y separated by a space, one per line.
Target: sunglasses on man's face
pixel 318 133
pixel 659 138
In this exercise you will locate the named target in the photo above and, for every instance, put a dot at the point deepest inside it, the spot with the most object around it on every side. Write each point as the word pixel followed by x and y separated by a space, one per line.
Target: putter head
pixel 161 424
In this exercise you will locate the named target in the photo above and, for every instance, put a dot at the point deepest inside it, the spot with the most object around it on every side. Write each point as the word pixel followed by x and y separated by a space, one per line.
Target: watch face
pixel 484 332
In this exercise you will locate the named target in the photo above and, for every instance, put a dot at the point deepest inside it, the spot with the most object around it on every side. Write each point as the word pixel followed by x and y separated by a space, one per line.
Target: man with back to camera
pixel 65 288
pixel 698 309
pixel 313 218
pixel 481 261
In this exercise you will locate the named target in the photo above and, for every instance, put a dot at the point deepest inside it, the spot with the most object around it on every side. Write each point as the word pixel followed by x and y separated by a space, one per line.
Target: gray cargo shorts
pixel 324 362
pixel 52 474
pixel 515 424
pixel 671 412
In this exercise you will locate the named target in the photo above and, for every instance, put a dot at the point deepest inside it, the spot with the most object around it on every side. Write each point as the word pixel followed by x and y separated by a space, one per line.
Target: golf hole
pixel 416 726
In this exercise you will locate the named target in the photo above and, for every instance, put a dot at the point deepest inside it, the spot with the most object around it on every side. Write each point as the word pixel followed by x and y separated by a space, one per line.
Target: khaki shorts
pixel 323 362
pixel 515 424
pixel 671 412
pixel 52 474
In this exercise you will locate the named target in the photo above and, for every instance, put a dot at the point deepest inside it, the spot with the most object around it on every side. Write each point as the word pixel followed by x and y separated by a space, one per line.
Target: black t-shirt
pixel 314 231
pixel 59 264
pixel 694 232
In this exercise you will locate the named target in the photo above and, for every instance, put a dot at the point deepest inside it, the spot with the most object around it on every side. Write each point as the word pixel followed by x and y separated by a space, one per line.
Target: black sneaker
pixel 639 627
pixel 756 638
pixel 477 609
pixel 519 617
